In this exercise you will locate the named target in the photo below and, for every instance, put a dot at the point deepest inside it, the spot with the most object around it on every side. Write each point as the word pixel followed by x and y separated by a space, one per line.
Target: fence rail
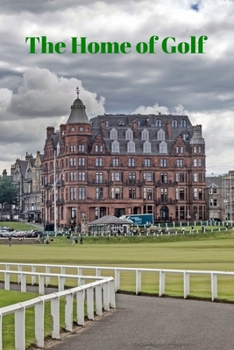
pixel 116 273
pixel 99 295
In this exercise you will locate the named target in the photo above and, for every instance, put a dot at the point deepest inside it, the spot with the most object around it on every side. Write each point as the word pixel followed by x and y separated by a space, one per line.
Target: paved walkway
pixel 149 323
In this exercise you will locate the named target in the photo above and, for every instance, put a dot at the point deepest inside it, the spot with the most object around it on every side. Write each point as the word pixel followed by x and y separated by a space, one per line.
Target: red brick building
pixel 123 164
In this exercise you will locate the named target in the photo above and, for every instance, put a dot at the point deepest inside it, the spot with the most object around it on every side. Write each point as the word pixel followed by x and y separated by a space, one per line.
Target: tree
pixel 8 192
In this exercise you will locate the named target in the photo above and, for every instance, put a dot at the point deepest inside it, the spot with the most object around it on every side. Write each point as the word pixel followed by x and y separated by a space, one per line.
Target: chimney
pixel 103 127
pixel 169 131
pixel 134 128
pixel 4 173
pixel 49 132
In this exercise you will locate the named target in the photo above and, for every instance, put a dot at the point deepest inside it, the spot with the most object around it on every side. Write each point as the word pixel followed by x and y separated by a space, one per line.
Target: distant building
pixel 215 198
pixel 27 177
pixel 123 164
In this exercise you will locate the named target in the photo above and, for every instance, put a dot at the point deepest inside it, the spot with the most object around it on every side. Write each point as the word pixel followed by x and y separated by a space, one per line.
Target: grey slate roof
pixel 109 219
pixel 212 181
pixel 78 114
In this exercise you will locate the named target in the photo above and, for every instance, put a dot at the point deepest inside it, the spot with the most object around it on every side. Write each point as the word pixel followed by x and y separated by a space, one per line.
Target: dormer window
pixel 147 147
pixel 145 134
pixel 158 123
pixel 174 123
pixel 115 147
pixel 106 122
pixel 163 147
pixel 183 123
pixel 131 147
pixel 129 134
pixel 113 134
pixel 161 135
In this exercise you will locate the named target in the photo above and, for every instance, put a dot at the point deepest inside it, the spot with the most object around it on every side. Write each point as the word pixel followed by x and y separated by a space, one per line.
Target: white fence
pixel 100 293
pixel 116 273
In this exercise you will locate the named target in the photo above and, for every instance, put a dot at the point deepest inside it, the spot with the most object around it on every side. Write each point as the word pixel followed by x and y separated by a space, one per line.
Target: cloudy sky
pixel 37 90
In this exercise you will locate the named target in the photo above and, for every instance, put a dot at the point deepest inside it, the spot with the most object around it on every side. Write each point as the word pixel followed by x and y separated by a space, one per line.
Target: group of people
pixel 73 237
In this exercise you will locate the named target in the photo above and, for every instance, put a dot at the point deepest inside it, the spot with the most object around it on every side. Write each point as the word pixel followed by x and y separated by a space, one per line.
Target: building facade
pixel 123 164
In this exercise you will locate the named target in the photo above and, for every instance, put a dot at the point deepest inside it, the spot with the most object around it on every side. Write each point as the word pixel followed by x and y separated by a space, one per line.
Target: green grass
pixel 13 297
pixel 18 226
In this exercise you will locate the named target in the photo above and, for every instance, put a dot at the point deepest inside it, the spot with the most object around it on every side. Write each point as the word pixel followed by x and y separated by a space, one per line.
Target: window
pixel 181 194
pixel 182 212
pixel 81 148
pixel 115 162
pixel 215 191
pixel 72 161
pixel 163 147
pixel 131 147
pixel 72 176
pixel 96 148
pixel 145 135
pixel 200 193
pixel 139 123
pixel 72 193
pixel 81 161
pixel 147 193
pixel 73 213
pixel 164 196
pixel 129 134
pixel 199 162
pixel 215 202
pixel 99 193
pixel 132 178
pixel 195 193
pixel 148 177
pixel 179 150
pixel 164 178
pixel 174 123
pixel 115 193
pixel 115 176
pixel 177 194
pixel 121 122
pixel 106 123
pixel 131 162
pixel 195 178
pixel 98 162
pixel 147 162
pixel 81 176
pixel 179 163
pixel 181 177
pixel 115 147
pixel 194 149
pixel 147 147
pixel 195 162
pixel 161 135
pixel 158 123
pixel 200 177
pixel 99 178
pixel 132 192
pixel 113 134
pixel 163 163
pixel 72 148
pixel 183 123
pixel 82 192
pixel 199 149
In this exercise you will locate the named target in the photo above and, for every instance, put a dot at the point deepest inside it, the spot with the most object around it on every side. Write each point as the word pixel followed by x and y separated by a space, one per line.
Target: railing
pixel 102 290
pixel 116 271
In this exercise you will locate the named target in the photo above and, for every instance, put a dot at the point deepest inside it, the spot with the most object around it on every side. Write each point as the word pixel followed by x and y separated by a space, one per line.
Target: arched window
pixel 147 147
pixel 115 147
pixel 129 134
pixel 145 134
pixel 113 134
pixel 183 123
pixel 174 123
pixel 161 135
pixel 131 147
pixel 163 147
pixel 158 123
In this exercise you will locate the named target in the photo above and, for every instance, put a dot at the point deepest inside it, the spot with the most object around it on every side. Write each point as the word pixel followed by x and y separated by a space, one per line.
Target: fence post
pixel 20 329
pixel 80 307
pixel 47 278
pixel 1 332
pixel 138 282
pixel 19 275
pixel 33 277
pixel 186 284
pixel 90 309
pixel 39 324
pixel 161 283
pixel 106 299
pixel 98 299
pixel 61 281
pixel 69 312
pixel 7 280
pixel 112 293
pixel 214 286
pixel 55 333
pixel 23 282
pixel 117 280
pixel 41 285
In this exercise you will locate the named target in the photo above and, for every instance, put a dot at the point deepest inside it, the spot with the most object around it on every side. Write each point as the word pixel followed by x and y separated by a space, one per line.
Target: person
pixel 81 240
pixel 9 241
